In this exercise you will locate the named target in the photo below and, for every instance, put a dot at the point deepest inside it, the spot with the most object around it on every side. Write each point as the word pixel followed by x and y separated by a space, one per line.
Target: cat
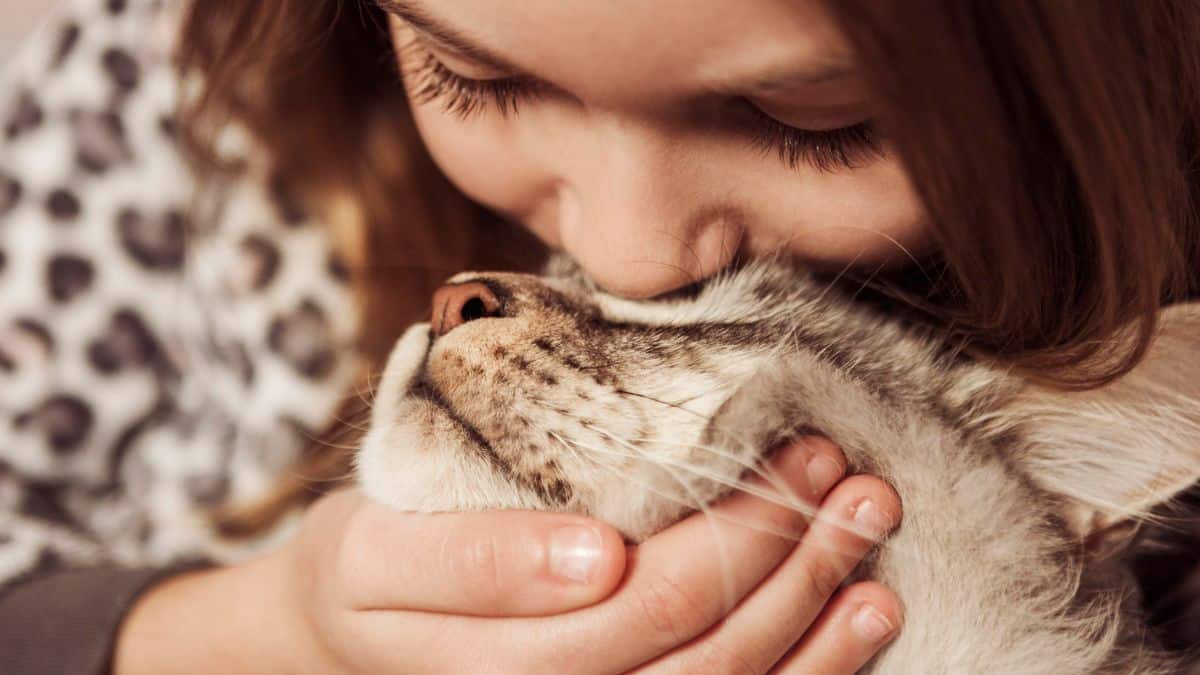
pixel 544 392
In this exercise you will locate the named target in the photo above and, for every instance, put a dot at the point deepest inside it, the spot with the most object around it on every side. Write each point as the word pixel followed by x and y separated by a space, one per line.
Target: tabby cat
pixel 545 392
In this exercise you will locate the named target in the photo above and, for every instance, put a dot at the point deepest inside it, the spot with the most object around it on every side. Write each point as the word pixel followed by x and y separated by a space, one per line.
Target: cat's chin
pixel 416 457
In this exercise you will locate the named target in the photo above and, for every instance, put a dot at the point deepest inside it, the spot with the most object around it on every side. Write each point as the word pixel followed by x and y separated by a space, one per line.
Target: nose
pixel 630 214
pixel 456 304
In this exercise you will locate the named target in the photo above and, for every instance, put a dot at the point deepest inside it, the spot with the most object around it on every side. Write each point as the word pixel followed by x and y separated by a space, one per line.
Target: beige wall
pixel 17 18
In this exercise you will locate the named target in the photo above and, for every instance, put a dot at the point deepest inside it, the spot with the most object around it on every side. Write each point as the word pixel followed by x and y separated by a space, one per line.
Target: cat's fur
pixel 636 411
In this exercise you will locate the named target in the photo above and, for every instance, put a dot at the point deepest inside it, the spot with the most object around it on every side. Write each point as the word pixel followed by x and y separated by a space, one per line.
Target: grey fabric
pixel 66 623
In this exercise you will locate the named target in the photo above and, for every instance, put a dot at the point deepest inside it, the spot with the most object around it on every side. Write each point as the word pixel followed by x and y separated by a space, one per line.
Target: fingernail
pixel 871 624
pixel 575 552
pixel 823 472
pixel 869 517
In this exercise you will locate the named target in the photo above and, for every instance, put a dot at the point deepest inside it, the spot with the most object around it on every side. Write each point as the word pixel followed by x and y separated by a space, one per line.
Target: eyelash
pixel 461 96
pixel 827 150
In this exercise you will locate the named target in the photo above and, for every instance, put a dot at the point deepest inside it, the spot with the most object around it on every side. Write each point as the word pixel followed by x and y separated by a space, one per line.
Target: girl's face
pixel 655 141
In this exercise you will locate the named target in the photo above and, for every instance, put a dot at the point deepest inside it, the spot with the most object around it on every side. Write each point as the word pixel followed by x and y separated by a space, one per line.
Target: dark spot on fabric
pixel 168 126
pixel 156 242
pixel 260 260
pixel 477 370
pixel 10 194
pixel 116 6
pixel 68 37
pixel 122 69
pixel 67 276
pixel 25 116
pixel 521 363
pixel 571 363
pixel 242 363
pixel 338 269
pixel 162 412
pixel 64 420
pixel 207 490
pixel 100 140
pixel 544 345
pixel 38 331
pixel 499 352
pixel 63 205
pixel 44 502
pixel 287 206
pixel 127 343
pixel 548 380
pixel 304 340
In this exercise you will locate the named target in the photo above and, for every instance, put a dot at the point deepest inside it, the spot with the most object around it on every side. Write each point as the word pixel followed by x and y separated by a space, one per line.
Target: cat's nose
pixel 456 304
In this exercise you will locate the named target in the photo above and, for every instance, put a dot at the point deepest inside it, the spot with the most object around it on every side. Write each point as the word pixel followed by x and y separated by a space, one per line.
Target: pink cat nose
pixel 456 304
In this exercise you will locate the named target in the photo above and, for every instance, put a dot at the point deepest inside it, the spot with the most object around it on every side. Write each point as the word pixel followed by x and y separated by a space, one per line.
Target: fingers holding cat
pixel 730 590
pixel 776 618
pixel 382 591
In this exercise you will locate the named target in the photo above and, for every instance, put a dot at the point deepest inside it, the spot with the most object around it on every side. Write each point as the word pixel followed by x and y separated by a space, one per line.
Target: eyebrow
pixel 418 17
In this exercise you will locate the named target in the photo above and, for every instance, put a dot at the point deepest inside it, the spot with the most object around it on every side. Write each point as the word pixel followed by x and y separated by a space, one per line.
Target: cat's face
pixel 562 397
pixel 571 399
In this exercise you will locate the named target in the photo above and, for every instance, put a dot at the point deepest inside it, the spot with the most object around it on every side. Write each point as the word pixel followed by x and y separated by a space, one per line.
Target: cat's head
pixel 547 393
pixel 556 395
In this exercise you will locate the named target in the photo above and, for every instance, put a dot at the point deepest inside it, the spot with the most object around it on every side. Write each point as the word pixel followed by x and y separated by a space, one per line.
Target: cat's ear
pixel 1118 451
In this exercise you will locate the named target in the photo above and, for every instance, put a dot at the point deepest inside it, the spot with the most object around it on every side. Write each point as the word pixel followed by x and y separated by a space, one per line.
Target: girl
pixel 1023 173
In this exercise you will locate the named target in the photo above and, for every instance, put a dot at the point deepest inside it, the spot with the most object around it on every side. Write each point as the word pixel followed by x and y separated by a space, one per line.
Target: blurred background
pixel 17 19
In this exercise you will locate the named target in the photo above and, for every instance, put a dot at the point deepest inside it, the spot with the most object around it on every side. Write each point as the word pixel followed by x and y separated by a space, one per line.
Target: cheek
pixel 870 215
pixel 489 161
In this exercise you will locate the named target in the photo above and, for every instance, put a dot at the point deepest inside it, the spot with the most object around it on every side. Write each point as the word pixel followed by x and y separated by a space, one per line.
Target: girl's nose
pixel 650 247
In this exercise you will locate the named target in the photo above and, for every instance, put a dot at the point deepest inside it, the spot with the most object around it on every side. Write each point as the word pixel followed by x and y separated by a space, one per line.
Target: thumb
pixel 486 563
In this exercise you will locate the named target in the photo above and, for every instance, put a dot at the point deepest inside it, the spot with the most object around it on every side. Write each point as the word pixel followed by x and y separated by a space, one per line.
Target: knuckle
pixel 822 575
pixel 671 611
pixel 481 559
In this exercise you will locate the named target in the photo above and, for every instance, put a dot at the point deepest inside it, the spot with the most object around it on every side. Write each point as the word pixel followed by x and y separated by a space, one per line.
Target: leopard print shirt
pixel 152 363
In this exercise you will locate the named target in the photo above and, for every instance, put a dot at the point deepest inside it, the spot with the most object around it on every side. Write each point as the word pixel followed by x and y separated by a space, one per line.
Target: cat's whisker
pixel 677 406
pixel 733 484
pixel 746 464
pixel 792 501
pixel 702 507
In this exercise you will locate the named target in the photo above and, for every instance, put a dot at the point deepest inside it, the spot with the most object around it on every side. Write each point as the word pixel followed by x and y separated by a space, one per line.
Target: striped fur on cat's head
pixel 563 397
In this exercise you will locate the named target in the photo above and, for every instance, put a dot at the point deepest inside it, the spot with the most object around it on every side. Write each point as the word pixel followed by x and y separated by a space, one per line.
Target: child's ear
pixel 1120 450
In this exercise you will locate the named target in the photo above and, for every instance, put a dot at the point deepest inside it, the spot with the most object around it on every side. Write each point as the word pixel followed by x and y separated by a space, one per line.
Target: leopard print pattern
pixel 152 362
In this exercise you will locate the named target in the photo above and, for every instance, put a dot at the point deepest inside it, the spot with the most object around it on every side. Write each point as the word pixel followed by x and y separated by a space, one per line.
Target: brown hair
pixel 1054 144
pixel 1055 147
